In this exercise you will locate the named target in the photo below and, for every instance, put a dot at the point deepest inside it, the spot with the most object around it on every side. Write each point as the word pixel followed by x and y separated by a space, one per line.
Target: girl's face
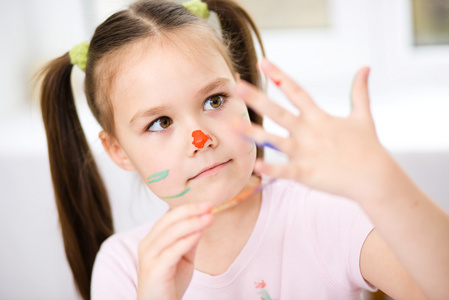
pixel 162 98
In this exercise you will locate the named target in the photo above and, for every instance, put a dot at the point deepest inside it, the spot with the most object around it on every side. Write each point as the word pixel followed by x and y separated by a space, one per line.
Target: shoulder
pixel 337 228
pixel 314 206
pixel 127 241
pixel 328 214
pixel 327 230
pixel 123 245
pixel 322 213
pixel 329 205
pixel 116 265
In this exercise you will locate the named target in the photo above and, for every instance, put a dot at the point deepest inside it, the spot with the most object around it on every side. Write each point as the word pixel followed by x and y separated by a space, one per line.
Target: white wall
pixel 409 86
pixel 410 101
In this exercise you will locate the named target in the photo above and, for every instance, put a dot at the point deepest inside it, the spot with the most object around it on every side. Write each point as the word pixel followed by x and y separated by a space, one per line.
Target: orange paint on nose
pixel 200 138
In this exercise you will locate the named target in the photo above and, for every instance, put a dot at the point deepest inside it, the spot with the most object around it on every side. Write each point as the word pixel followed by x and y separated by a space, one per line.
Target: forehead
pixel 162 65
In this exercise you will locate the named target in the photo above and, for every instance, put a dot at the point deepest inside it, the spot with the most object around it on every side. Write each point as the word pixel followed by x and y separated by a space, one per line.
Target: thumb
pixel 360 96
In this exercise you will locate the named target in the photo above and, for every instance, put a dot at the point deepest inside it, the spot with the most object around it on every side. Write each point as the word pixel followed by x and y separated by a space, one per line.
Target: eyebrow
pixel 148 113
pixel 221 81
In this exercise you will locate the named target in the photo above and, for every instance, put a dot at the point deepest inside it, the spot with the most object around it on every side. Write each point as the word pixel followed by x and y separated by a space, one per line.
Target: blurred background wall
pixel 409 89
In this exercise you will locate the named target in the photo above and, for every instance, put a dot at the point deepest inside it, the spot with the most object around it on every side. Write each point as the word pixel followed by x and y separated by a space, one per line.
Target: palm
pixel 326 152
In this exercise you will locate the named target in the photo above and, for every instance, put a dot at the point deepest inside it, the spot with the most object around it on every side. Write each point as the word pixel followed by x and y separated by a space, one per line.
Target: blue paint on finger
pixel 268 145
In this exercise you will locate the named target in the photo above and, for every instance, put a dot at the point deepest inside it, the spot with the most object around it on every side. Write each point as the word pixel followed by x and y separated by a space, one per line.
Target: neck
pixel 225 238
pixel 234 218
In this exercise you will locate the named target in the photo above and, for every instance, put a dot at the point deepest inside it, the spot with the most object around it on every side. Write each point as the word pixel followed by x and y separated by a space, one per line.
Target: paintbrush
pixel 246 194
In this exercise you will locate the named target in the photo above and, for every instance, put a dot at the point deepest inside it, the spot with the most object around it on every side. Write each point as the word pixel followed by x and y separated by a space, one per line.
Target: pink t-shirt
pixel 305 245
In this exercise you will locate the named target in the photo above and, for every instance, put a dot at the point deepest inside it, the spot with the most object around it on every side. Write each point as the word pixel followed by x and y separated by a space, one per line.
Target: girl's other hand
pixel 167 253
pixel 338 155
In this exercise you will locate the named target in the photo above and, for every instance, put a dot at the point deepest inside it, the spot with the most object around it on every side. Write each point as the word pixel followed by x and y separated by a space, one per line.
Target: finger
pixel 297 95
pixel 360 95
pixel 181 248
pixel 258 101
pixel 181 212
pixel 155 245
pixel 257 134
pixel 173 255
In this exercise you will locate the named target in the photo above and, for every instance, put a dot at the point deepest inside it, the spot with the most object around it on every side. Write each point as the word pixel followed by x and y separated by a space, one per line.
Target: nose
pixel 200 138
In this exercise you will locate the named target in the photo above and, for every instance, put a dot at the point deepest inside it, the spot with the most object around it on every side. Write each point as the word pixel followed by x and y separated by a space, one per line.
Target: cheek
pixel 162 175
pixel 242 148
pixel 158 167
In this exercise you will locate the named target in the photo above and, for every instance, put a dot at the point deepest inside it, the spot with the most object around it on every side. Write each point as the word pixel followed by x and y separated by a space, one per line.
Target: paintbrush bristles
pixel 241 197
pixel 224 206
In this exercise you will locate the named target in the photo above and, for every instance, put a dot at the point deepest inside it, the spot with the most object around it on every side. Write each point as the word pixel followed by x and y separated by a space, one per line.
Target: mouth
pixel 210 170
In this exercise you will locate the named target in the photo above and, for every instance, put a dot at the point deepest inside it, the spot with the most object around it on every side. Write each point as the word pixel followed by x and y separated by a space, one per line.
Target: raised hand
pixel 334 154
pixel 167 253
pixel 344 156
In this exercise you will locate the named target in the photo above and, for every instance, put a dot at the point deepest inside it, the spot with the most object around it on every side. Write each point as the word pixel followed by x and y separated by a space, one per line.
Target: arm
pixel 344 156
pixel 380 267
pixel 416 230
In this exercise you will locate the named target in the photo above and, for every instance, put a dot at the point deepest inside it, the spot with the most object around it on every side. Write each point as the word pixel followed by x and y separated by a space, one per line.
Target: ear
pixel 115 151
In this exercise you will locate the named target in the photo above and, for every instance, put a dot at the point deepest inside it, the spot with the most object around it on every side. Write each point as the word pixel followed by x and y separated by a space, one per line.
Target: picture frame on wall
pixel 276 14
pixel 430 22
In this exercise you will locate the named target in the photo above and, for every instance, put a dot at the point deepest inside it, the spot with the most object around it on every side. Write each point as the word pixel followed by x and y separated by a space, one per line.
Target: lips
pixel 210 170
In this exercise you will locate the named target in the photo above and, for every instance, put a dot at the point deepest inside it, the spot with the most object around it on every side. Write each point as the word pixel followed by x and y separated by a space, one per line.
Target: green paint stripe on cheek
pixel 158 176
pixel 178 195
pixel 252 148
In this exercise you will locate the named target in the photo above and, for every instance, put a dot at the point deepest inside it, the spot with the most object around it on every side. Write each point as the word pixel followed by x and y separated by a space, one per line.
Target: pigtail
pixel 81 197
pixel 237 28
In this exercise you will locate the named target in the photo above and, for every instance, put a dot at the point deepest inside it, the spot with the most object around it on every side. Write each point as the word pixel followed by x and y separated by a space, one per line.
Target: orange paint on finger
pixel 200 138
pixel 276 82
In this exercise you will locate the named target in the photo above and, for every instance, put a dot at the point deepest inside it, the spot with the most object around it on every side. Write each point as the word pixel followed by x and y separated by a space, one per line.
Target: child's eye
pixel 160 124
pixel 214 102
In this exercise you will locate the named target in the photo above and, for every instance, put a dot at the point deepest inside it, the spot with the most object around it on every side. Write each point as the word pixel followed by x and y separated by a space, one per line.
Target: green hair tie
pixel 78 55
pixel 198 8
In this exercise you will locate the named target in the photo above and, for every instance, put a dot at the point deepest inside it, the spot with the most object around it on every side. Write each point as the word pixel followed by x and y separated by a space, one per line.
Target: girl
pixel 159 80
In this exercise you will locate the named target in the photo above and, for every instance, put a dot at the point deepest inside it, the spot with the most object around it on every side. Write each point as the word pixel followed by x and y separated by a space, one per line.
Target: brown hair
pixel 81 197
